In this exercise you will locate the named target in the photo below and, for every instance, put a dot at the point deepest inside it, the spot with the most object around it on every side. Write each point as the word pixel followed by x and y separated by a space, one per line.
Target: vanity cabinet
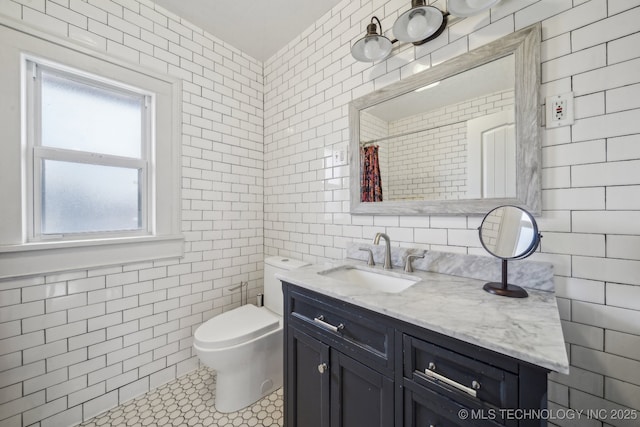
pixel 338 362
pixel 349 366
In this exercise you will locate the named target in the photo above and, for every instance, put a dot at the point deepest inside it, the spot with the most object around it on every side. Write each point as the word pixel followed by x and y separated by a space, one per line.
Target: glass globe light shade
pixel 479 4
pixel 469 7
pixel 417 25
pixel 371 48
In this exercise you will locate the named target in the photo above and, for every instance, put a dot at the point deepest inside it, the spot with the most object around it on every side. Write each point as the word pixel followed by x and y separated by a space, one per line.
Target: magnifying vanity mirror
pixel 461 137
pixel 508 233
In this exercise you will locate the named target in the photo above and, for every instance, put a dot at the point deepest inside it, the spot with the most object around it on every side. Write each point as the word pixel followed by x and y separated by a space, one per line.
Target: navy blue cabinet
pixel 338 366
pixel 360 396
pixel 307 380
pixel 346 366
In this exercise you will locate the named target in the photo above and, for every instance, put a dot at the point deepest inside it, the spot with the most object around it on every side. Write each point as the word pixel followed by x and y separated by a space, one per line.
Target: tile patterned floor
pixel 188 401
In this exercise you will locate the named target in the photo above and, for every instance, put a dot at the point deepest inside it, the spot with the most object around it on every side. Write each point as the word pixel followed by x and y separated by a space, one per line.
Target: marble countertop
pixel 528 329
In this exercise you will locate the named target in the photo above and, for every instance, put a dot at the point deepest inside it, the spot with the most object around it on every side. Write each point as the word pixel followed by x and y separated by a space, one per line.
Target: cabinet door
pixel 307 380
pixel 360 396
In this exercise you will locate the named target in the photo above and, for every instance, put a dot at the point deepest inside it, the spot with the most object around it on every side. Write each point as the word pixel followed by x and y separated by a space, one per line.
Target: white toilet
pixel 244 345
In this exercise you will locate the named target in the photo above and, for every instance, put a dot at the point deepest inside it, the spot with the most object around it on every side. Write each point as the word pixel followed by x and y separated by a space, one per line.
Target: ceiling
pixel 259 28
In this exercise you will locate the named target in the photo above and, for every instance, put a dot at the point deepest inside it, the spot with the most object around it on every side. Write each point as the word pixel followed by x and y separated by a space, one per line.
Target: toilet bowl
pixel 244 345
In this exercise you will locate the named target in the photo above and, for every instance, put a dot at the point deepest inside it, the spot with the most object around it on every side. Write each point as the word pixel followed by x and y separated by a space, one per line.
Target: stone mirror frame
pixel 524 46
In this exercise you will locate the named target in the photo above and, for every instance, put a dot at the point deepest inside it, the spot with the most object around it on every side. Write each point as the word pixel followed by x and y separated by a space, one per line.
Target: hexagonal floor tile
pixel 188 401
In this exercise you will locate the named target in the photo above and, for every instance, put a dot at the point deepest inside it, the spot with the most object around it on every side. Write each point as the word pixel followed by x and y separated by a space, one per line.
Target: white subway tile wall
pixel 590 220
pixel 75 344
pixel 258 178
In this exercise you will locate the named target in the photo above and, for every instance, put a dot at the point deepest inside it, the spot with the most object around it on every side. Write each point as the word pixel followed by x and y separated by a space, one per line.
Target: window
pixel 88 145
pixel 89 157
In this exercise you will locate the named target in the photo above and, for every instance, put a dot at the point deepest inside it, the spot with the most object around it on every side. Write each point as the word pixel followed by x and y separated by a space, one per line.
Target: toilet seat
pixel 234 327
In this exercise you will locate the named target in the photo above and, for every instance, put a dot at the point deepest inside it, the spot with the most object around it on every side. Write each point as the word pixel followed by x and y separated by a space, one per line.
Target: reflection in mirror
pixel 461 137
pixel 448 140
pixel 508 232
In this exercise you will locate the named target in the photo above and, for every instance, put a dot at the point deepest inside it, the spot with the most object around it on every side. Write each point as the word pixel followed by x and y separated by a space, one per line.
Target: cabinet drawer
pixel 458 376
pixel 425 407
pixel 353 330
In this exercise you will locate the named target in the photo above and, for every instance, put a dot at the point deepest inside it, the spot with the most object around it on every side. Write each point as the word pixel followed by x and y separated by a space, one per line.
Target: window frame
pixel 36 152
pixel 20 255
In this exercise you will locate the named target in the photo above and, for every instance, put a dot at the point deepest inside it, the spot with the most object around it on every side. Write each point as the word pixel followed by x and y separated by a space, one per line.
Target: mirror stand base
pixel 512 291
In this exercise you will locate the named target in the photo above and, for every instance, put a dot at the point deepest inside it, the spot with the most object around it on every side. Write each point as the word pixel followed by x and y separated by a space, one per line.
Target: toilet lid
pixel 236 326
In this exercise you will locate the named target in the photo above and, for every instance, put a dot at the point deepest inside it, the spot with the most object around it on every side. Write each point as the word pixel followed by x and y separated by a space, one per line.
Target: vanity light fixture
pixel 373 46
pixel 418 25
pixel 469 7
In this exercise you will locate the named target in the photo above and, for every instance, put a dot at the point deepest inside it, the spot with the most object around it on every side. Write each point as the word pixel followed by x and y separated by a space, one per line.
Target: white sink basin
pixel 374 280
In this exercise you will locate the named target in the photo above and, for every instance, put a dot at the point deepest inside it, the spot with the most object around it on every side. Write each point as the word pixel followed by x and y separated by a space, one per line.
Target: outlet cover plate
pixel 559 110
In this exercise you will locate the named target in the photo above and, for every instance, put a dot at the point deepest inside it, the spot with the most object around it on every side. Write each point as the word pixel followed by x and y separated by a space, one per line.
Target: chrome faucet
pixel 408 268
pixel 371 262
pixel 387 250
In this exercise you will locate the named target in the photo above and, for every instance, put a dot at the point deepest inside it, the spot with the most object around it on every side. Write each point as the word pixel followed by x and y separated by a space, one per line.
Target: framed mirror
pixel 459 138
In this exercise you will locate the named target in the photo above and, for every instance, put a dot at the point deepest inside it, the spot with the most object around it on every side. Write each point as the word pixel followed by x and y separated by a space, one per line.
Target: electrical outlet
pixel 559 107
pixel 560 110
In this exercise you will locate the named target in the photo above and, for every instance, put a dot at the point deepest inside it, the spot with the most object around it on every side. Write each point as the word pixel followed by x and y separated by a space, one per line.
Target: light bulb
pixel 372 48
pixel 417 26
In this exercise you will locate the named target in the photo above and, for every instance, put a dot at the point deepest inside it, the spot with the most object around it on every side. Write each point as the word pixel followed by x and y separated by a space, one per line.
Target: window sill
pixel 50 257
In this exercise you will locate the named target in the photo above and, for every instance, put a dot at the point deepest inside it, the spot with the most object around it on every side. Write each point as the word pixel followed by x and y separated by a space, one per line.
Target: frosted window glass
pixel 78 198
pixel 79 116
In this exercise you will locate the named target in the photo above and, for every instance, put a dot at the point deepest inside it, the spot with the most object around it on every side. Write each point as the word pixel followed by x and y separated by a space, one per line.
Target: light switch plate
pixel 339 156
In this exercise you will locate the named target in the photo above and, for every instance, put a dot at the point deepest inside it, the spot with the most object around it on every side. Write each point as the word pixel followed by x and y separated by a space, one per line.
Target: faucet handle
pixel 407 265
pixel 371 262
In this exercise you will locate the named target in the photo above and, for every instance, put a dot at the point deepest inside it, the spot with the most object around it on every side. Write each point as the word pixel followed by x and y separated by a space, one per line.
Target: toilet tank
pixel 273 286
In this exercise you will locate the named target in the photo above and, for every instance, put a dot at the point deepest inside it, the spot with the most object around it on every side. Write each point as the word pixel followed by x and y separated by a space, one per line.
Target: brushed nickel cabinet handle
pixel 434 375
pixel 320 321
pixel 322 368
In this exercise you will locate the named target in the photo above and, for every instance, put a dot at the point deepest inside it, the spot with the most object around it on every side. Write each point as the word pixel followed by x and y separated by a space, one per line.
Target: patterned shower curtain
pixel 371 185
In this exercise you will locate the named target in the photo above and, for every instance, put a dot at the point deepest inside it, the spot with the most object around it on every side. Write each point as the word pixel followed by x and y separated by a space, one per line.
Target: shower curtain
pixel 371 185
